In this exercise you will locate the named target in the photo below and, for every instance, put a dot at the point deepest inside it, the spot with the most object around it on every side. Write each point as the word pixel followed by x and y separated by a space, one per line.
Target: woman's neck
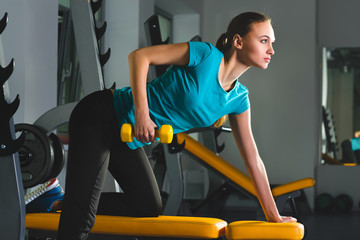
pixel 230 71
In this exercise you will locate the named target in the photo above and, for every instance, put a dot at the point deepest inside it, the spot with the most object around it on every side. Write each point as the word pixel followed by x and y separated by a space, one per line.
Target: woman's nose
pixel 271 50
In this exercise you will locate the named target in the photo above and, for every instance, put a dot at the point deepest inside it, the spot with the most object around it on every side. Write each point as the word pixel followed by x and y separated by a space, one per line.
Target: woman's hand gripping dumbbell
pixel 165 133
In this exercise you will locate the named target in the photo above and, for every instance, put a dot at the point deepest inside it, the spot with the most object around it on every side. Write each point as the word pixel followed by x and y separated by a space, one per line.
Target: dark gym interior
pixel 305 107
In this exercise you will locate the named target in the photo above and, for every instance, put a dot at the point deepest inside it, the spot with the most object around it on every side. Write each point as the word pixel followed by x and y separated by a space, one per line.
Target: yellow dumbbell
pixel 165 133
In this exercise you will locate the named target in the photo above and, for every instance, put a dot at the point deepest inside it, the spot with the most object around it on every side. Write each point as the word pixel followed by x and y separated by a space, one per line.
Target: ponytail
pixel 223 43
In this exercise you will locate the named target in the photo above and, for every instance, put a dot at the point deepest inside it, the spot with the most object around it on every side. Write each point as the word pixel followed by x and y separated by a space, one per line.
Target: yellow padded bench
pixel 250 230
pixel 177 227
pixel 233 173
pixel 162 226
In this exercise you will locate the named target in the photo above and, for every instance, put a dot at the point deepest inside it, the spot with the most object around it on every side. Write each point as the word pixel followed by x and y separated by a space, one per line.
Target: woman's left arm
pixel 241 128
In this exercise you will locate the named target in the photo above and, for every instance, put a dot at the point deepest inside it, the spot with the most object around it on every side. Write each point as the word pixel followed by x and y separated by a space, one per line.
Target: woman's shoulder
pixel 200 51
pixel 203 45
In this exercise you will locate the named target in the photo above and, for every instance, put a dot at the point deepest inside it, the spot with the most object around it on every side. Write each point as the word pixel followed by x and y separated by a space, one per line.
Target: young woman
pixel 200 87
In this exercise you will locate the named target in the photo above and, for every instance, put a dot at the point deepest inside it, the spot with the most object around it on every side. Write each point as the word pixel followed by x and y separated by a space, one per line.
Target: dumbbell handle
pixel 165 133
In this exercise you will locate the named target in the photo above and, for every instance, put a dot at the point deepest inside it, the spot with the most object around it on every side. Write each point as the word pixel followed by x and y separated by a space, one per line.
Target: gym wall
pixel 31 39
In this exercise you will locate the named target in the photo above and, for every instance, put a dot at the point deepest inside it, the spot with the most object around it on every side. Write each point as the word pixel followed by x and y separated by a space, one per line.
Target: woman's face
pixel 258 45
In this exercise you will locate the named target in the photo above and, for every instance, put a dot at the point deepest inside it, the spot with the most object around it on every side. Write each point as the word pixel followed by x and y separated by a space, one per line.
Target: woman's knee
pixel 149 207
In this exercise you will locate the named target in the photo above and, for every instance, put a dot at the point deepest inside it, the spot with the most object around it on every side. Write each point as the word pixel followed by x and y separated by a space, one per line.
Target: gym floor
pixel 333 226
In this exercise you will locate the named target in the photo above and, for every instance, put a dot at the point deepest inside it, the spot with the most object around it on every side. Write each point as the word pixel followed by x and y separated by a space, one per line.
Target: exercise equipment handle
pixel 198 130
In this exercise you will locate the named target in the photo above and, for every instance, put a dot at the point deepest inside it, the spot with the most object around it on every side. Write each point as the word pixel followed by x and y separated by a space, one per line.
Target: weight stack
pixel 12 203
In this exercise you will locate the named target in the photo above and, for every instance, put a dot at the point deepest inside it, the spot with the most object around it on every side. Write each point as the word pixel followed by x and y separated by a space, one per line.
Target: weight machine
pixel 87 37
pixel 12 203
pixel 47 148
pixel 233 179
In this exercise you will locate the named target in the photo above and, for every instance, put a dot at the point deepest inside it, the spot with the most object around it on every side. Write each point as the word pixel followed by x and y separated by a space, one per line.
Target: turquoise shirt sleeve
pixel 199 51
pixel 355 144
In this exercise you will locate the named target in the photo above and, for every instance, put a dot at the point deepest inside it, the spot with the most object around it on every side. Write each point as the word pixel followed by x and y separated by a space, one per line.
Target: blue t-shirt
pixel 186 97
pixel 355 144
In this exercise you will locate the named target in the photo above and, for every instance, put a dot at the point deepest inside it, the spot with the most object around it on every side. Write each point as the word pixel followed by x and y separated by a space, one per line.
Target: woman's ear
pixel 238 41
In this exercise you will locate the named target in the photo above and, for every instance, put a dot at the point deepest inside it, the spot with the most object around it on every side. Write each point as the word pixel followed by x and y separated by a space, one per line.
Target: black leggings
pixel 94 148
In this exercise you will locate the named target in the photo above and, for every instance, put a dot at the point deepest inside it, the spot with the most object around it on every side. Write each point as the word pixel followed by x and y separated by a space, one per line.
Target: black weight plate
pixel 343 203
pixel 59 159
pixel 324 203
pixel 47 174
pixel 36 146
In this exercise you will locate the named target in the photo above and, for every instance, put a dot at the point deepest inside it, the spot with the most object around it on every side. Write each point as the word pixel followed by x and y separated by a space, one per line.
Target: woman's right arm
pixel 139 62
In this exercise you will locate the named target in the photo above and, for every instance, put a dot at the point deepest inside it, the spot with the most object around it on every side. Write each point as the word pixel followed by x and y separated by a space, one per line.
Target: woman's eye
pixel 264 41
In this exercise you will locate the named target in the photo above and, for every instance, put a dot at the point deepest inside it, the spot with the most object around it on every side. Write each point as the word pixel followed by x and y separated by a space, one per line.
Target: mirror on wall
pixel 341 105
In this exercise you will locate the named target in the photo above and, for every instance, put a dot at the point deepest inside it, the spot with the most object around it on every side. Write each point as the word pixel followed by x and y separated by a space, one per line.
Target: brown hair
pixel 241 25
